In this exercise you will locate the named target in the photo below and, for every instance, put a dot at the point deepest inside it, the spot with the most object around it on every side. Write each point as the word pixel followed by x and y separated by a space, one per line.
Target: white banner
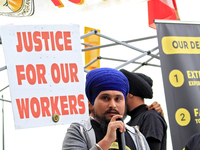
pixel 45 71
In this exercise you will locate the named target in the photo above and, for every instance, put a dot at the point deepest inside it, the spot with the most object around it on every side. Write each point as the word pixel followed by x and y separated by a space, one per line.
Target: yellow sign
pixel 176 78
pixel 182 117
pixel 181 45
pixel 90 55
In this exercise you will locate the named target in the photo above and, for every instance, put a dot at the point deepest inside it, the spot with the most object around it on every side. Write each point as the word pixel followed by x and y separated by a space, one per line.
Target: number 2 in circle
pixel 183 116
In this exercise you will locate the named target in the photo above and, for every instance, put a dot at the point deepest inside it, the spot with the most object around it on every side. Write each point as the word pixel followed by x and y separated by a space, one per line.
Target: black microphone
pixel 121 138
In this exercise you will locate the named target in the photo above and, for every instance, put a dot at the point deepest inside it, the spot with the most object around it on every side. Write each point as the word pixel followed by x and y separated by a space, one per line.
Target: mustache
pixel 111 110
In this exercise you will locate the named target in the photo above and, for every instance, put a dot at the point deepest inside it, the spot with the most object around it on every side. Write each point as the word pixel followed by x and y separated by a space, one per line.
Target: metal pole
pixel 176 21
pixel 144 63
pixel 4 88
pixel 113 44
pixel 130 61
pixel 5 100
pixel 3 68
pixel 2 124
pixel 93 61
pixel 85 70
pixel 88 34
pixel 125 44
pixel 106 58
pixel 133 60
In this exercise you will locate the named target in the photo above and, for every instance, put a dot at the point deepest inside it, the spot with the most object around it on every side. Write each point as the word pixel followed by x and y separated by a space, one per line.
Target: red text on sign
pixel 33 41
pixel 36 74
pixel 46 107
pixel 63 71
pixel 32 74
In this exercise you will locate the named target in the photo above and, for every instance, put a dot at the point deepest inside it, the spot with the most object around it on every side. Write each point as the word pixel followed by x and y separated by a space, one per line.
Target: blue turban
pixel 102 79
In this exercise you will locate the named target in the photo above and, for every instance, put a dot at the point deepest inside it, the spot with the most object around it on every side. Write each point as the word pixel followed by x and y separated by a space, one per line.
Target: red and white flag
pixel 162 9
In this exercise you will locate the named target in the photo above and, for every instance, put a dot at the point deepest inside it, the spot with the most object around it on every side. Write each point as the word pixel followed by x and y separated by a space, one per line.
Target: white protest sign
pixel 45 72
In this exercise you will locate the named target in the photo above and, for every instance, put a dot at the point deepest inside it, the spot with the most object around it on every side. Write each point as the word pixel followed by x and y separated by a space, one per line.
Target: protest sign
pixel 45 72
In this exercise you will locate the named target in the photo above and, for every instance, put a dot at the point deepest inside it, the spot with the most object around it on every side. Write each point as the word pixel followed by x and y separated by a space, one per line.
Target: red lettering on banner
pixel 37 73
pixel 41 71
pixel 35 107
pixel 31 41
pixel 54 105
pixel 55 73
pixel 64 71
pixel 28 44
pixel 20 77
pixel 31 74
pixel 38 41
pixel 72 104
pixel 23 107
pixel 46 107
pixel 67 40
pixel 73 72
pixel 45 36
pixel 81 104
pixel 52 42
pixel 64 105
pixel 58 36
pixel 19 46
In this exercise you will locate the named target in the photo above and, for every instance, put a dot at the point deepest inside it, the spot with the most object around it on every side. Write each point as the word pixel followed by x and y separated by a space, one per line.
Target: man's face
pixel 109 103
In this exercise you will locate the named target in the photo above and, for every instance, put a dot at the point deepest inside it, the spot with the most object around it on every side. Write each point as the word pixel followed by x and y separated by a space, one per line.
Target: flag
pixel 162 9
pixel 57 3
pixel 78 2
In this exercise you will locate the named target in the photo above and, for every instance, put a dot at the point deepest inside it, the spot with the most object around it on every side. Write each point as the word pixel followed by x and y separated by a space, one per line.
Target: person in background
pixel 106 89
pixel 151 123
pixel 193 143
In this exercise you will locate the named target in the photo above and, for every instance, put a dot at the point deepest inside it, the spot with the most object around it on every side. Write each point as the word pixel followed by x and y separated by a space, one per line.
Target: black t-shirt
pixel 193 143
pixel 151 124
pixel 114 146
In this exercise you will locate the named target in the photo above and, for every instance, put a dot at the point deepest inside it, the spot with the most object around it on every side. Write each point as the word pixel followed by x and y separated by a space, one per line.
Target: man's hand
pixel 111 135
pixel 113 126
pixel 157 107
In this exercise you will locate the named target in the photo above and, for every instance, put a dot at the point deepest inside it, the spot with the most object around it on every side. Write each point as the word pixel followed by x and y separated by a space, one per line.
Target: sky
pixel 118 19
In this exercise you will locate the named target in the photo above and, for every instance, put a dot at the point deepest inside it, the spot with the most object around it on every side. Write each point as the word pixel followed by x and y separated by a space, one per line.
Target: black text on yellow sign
pixel 182 117
pixel 176 78
pixel 181 45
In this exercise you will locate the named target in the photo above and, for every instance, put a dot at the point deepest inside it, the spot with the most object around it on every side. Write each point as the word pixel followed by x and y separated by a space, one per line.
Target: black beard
pixel 125 112
pixel 104 122
pixel 128 110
